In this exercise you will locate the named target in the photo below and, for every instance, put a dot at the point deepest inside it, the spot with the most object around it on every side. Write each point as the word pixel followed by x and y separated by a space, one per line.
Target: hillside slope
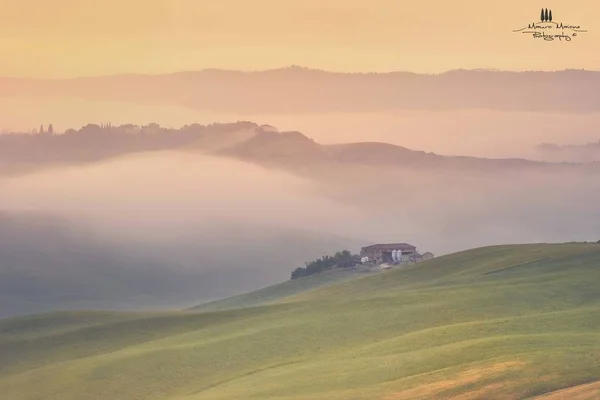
pixel 503 322
pixel 280 291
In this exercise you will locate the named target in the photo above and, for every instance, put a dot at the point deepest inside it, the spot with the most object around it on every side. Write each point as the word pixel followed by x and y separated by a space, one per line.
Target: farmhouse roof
pixel 391 246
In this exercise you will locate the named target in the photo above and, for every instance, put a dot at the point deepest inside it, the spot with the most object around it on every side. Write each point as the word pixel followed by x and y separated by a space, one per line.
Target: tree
pixel 550 19
pixel 341 259
pixel 50 129
pixel 41 128
pixel 298 273
pixel 542 15
pixel 546 15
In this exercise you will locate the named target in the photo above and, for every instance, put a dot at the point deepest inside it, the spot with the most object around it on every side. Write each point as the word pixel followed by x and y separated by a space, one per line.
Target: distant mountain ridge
pixel 303 90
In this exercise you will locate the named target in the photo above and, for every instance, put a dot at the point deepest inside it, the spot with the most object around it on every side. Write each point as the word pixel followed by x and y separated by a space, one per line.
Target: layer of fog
pixel 219 227
pixel 226 227
pixel 167 198
pixel 445 211
pixel 470 132
pixel 160 196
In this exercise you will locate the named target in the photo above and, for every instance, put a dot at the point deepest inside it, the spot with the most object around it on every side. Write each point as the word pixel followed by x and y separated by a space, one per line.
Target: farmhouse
pixel 387 253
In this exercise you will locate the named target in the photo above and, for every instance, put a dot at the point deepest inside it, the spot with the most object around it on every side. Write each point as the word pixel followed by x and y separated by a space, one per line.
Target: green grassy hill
pixel 280 291
pixel 504 322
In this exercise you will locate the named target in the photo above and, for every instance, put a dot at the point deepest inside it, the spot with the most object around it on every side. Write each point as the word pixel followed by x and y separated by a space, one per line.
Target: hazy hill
pixel 296 152
pixel 53 263
pixel 509 322
pixel 551 152
pixel 48 263
pixel 246 141
pixel 444 203
pixel 301 90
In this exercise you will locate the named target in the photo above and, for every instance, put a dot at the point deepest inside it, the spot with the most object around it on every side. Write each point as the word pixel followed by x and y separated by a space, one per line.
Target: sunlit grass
pixel 505 322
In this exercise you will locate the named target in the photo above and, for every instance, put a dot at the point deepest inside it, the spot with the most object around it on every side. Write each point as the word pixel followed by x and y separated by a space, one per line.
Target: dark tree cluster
pixel 546 15
pixel 341 259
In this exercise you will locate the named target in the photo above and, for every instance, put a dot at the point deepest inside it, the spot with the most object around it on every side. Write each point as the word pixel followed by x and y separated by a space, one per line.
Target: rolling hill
pixel 278 292
pixel 502 322
pixel 246 141
pixel 299 90
pixel 50 262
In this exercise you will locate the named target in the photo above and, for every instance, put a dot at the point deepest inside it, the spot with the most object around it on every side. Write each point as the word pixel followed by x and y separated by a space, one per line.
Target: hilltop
pixel 243 140
pixel 510 322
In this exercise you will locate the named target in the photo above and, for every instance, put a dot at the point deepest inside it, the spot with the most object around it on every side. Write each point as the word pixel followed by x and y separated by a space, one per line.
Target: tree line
pixel 341 259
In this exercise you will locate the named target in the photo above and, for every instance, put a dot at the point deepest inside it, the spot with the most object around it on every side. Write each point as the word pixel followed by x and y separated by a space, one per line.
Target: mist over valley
pixel 182 216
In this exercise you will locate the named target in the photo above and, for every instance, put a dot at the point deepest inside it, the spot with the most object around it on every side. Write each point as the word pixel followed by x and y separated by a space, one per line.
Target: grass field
pixel 280 291
pixel 503 322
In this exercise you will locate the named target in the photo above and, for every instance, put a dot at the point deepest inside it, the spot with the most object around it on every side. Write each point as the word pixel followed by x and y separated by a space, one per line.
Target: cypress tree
pixel 542 15
pixel 546 15
pixel 550 19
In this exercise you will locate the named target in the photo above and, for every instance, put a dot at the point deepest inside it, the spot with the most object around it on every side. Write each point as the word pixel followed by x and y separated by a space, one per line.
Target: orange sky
pixel 76 37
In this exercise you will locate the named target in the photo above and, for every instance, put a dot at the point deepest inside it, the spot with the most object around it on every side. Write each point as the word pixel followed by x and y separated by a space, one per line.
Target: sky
pixel 67 38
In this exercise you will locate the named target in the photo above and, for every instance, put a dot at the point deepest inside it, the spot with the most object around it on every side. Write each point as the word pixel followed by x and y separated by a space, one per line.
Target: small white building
pixel 427 256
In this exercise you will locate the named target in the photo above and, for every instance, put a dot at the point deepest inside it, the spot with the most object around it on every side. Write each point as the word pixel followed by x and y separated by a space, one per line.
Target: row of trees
pixel 341 259
pixel 546 16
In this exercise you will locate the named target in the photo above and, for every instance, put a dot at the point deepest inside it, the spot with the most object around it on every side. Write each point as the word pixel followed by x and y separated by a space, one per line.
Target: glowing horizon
pixel 67 39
